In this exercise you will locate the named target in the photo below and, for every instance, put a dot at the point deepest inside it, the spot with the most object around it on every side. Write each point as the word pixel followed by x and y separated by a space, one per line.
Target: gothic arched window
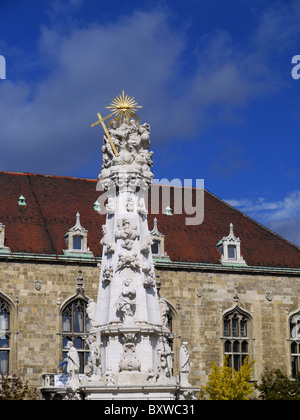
pixel 236 326
pixel 295 343
pixel 4 336
pixel 75 327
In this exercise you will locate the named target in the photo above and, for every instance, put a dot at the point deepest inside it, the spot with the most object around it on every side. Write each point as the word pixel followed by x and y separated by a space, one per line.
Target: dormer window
pixel 168 211
pixel 22 201
pixel 158 242
pixel 230 249
pixel 96 206
pixel 76 240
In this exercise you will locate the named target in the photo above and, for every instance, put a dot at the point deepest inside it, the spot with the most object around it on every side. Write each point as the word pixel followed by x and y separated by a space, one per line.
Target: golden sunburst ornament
pixel 123 107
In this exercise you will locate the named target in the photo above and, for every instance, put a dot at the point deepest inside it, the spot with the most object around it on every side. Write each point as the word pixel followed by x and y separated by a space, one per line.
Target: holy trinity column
pixel 128 320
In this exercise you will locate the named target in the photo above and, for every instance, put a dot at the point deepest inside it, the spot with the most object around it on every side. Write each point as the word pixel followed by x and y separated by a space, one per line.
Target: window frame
pixel 76 333
pixel 5 332
pixel 294 345
pixel 236 329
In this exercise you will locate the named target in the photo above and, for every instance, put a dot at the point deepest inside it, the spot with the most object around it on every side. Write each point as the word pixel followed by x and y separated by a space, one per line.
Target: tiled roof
pixel 53 201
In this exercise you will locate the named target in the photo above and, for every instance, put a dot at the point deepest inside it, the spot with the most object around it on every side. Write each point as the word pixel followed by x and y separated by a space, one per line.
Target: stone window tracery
pixel 75 327
pixel 236 326
pixel 5 334
pixel 295 343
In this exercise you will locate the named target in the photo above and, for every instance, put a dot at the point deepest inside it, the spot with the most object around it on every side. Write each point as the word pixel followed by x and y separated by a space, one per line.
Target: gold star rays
pixel 123 108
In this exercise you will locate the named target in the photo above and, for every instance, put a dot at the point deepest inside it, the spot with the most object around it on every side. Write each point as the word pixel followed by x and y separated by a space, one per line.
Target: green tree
pixel 225 383
pixel 13 388
pixel 275 385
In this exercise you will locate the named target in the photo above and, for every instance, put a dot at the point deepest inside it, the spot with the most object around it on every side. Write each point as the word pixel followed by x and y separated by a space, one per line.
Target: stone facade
pixel 36 293
pixel 202 298
pixel 198 296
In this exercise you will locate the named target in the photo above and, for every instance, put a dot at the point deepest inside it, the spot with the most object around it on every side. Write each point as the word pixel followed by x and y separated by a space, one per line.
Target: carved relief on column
pixel 108 273
pixel 128 232
pixel 128 261
pixel 93 366
pixel 165 357
pixel 149 279
pixel 109 247
pixel 126 302
pixel 129 360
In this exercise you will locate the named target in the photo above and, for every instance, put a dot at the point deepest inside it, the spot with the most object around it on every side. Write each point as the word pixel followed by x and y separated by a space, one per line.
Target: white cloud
pixel 255 206
pixel 282 216
pixel 50 119
pixel 45 124
pixel 278 27
pixel 288 207
pixel 288 228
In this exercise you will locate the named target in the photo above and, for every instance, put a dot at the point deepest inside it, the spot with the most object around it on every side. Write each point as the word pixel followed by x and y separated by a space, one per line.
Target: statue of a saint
pixel 165 357
pixel 72 366
pixel 164 313
pixel 184 362
pixel 126 301
pixel 93 367
pixel 91 311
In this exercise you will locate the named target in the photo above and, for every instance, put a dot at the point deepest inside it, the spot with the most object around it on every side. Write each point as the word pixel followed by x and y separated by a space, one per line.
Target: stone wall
pixel 37 292
pixel 201 299
pixel 35 319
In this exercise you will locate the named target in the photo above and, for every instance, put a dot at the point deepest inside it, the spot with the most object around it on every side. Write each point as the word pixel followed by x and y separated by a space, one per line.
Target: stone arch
pixel 238 309
pixel 8 333
pixel 236 336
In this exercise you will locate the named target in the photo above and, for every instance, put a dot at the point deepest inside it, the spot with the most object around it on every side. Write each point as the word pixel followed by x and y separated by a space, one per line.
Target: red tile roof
pixel 53 201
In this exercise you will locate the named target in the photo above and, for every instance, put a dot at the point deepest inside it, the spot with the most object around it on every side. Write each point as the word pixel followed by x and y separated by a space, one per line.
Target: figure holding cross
pixel 101 121
pixel 126 142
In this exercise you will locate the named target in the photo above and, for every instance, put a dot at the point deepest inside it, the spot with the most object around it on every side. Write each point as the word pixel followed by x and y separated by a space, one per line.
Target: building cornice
pixel 160 264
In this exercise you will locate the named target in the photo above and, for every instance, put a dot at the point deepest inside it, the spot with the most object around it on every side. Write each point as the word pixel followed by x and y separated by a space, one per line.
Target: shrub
pixel 225 383
pixel 275 385
pixel 13 388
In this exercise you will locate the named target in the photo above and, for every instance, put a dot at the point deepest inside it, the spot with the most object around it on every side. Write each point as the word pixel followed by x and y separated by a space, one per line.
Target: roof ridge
pixel 254 221
pixel 28 174
pixel 46 175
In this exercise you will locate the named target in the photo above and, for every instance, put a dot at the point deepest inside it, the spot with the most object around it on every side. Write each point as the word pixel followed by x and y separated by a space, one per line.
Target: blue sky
pixel 214 79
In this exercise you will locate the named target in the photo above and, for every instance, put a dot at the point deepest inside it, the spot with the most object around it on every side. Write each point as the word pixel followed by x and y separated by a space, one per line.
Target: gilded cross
pixel 101 121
